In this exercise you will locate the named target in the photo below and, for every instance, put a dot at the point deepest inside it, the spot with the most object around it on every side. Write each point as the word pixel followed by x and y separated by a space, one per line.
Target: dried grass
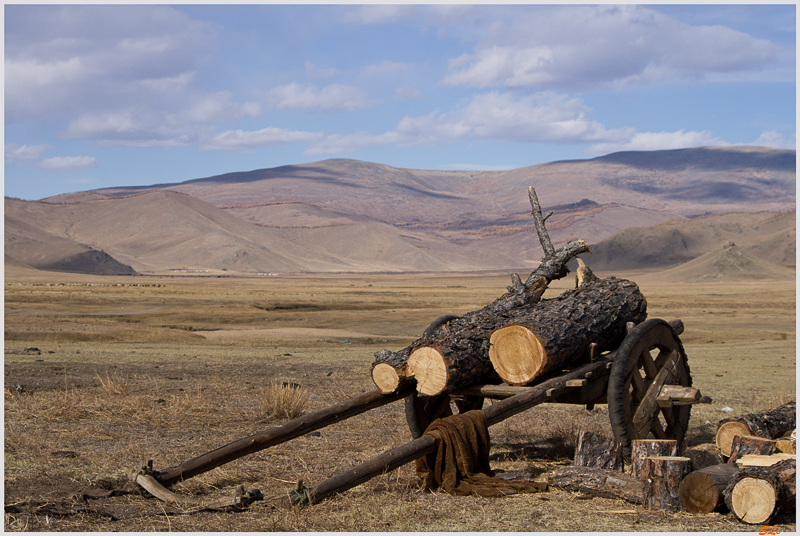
pixel 281 400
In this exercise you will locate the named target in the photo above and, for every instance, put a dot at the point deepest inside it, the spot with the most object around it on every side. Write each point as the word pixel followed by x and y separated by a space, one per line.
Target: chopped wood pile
pixel 755 481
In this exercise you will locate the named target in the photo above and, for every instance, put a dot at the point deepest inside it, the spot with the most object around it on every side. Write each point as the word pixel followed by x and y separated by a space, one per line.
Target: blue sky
pixel 113 95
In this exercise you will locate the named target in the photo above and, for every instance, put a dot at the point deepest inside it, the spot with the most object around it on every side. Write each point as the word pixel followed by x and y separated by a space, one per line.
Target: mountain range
pixel 653 209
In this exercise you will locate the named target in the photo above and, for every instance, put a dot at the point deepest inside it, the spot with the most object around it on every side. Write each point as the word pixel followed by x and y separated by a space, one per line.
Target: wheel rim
pixel 650 356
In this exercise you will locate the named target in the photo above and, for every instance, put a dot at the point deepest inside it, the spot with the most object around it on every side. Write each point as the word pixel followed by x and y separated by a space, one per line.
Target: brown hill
pixel 763 235
pixel 346 215
pixel 727 263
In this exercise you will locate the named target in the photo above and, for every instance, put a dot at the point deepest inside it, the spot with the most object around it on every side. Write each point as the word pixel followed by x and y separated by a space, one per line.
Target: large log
pixel 702 491
pixel 771 424
pixel 662 477
pixel 598 482
pixel 704 455
pixel 559 332
pixel 756 494
pixel 520 294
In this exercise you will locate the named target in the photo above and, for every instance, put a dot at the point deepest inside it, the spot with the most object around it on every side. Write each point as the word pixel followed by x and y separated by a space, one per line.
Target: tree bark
pixel 553 266
pixel 559 332
pixel 771 424
pixel 641 449
pixel 702 491
pixel 756 494
pixel 564 328
pixel 598 483
pixel 662 477
pixel 745 444
pixel 705 455
pixel 594 450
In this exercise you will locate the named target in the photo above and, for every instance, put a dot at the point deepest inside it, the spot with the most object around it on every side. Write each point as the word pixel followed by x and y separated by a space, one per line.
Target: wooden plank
pixel 763 460
pixel 676 395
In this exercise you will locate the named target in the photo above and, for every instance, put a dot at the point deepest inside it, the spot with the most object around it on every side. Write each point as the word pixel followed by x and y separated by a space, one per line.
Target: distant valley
pixel 639 210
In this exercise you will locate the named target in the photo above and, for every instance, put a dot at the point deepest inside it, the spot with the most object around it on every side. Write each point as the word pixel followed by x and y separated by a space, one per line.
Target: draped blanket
pixel 460 464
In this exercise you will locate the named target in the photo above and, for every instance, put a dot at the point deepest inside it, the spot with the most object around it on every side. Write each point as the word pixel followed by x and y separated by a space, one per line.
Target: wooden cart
pixel 645 381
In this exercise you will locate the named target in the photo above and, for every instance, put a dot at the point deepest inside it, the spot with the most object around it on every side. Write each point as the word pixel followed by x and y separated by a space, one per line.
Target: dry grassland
pixel 167 368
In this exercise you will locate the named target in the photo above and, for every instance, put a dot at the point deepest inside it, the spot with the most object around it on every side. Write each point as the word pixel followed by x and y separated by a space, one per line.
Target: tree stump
pixel 771 424
pixel 558 332
pixel 662 476
pixel 598 482
pixel 702 491
pixel 744 444
pixel 641 449
pixel 755 494
pixel 704 455
pixel 594 450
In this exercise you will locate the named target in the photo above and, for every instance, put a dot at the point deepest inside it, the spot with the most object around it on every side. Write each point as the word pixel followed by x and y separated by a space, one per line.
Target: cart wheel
pixel 650 357
pixel 421 411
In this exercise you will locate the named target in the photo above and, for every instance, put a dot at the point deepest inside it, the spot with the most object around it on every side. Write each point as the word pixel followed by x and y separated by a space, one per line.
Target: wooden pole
pixel 399 456
pixel 279 434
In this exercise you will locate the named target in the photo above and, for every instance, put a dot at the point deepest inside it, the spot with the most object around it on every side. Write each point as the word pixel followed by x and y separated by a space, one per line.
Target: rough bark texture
pixel 662 477
pixel 702 491
pixel 594 450
pixel 641 449
pixel 743 445
pixel 598 482
pixel 704 455
pixel 553 266
pixel 771 424
pixel 563 328
pixel 755 494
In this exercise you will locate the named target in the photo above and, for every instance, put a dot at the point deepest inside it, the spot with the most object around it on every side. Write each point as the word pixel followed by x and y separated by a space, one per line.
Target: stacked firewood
pixel 519 337
pixel 751 475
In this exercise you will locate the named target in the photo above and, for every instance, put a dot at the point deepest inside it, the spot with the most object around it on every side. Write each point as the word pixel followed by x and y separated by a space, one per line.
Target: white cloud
pixel 656 141
pixel 311 98
pixel 380 13
pixel 241 140
pixel 134 128
pixel 61 60
pixel 772 138
pixel 595 46
pixel 218 107
pixel 68 163
pixel 23 153
pixel 386 67
pixel 405 93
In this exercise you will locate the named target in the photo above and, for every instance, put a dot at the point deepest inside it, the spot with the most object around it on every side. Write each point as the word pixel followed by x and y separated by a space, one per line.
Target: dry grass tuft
pixel 115 385
pixel 279 401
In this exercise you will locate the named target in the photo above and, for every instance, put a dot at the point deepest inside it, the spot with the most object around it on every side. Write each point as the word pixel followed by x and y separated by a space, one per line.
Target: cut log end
pixel 429 367
pixel 753 500
pixel 385 378
pixel 727 431
pixel 517 354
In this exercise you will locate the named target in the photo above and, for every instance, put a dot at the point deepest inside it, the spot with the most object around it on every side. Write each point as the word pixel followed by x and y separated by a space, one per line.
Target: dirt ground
pixel 105 373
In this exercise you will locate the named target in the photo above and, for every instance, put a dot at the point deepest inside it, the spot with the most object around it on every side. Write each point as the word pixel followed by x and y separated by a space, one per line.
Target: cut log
pixel 559 332
pixel 762 460
pixel 771 424
pixel 787 472
pixel 598 482
pixel 756 494
pixel 564 327
pixel 473 327
pixel 702 491
pixel 594 450
pixel 704 455
pixel 787 443
pixel 390 370
pixel 641 449
pixel 662 477
pixel 745 444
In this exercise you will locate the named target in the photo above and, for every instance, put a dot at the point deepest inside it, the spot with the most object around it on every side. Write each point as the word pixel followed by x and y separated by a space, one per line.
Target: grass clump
pixel 282 400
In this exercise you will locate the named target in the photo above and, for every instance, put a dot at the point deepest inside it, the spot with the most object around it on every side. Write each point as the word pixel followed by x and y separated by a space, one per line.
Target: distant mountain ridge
pixel 347 215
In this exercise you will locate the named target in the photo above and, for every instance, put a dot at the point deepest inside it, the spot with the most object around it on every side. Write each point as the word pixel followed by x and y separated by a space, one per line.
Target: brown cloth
pixel 460 464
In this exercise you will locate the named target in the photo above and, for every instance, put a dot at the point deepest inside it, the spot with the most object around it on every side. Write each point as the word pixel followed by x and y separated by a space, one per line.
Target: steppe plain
pixel 167 367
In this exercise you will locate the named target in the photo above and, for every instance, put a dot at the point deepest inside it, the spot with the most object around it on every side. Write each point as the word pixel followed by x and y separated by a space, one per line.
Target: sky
pixel 122 95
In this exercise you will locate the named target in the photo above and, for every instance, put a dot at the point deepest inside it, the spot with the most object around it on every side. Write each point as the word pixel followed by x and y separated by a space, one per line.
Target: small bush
pixel 281 401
